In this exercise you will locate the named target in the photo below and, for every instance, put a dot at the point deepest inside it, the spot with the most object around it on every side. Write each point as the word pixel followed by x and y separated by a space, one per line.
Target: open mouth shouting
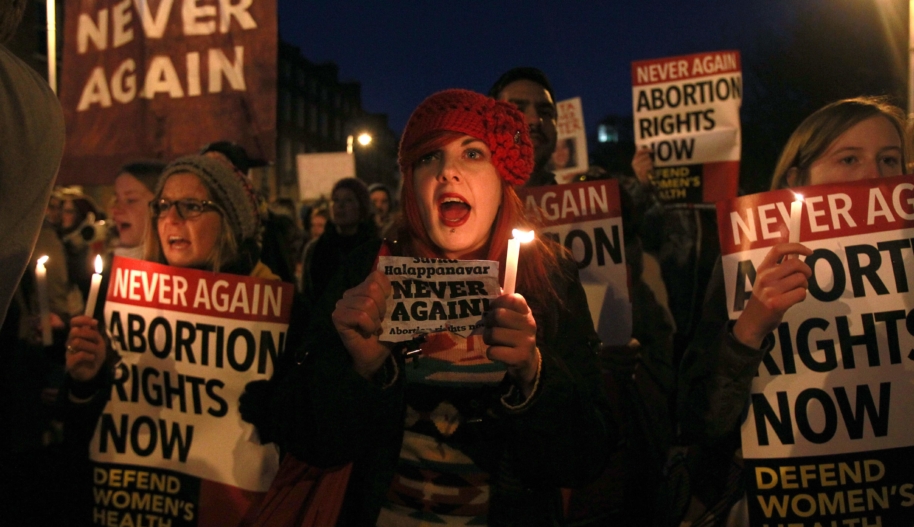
pixel 459 194
pixel 129 233
pixel 453 210
pixel 178 243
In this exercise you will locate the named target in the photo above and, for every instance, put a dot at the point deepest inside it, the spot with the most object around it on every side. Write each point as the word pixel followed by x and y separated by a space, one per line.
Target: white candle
pixel 796 214
pixel 93 290
pixel 41 279
pixel 511 260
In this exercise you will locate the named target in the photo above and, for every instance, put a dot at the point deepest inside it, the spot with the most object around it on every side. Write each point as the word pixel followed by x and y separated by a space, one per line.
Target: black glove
pixel 254 406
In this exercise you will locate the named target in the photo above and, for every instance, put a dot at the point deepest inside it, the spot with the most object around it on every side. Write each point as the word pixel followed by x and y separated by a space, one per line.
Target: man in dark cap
pixel 235 154
pixel 529 89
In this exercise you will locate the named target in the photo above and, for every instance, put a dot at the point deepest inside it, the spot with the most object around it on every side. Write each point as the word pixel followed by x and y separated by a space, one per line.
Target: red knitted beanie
pixel 499 124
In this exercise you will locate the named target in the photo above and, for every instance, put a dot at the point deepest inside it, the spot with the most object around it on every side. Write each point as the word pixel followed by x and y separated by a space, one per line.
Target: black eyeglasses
pixel 187 208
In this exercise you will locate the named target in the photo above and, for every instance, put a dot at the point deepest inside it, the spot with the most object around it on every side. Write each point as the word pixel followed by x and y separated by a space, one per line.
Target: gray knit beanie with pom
pixel 228 188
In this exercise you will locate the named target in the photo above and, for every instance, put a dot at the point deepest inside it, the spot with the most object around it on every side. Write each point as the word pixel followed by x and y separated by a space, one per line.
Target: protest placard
pixel 160 79
pixel 686 110
pixel 570 156
pixel 587 219
pixel 317 173
pixel 827 439
pixel 170 447
pixel 431 295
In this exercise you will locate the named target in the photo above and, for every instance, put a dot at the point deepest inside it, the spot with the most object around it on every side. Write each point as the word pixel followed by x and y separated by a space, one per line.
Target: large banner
pixel 570 156
pixel 171 447
pixel 587 219
pixel 687 112
pixel 161 78
pixel 828 437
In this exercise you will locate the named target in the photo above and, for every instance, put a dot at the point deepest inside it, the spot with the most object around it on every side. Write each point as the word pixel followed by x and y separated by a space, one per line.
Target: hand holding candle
pixel 93 290
pixel 41 279
pixel 511 261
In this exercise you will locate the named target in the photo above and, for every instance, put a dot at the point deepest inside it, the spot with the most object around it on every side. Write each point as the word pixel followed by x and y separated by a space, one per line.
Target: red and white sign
pixel 570 156
pixel 587 219
pixel 170 446
pixel 686 111
pixel 828 432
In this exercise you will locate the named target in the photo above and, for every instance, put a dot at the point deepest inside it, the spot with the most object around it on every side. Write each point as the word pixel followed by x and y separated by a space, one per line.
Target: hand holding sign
pixel 643 164
pixel 779 284
pixel 357 318
pixel 510 331
pixel 86 349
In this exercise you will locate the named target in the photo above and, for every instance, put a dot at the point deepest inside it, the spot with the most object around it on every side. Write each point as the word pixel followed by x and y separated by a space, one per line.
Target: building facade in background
pixel 316 112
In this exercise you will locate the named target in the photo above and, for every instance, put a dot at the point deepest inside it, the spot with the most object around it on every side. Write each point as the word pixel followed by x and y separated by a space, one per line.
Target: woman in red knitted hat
pixel 486 431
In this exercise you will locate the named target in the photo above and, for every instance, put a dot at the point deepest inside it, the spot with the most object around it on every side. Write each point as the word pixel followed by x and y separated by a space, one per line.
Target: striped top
pixel 436 480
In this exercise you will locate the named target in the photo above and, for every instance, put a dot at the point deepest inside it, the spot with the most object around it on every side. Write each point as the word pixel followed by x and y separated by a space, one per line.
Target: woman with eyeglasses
pixel 204 216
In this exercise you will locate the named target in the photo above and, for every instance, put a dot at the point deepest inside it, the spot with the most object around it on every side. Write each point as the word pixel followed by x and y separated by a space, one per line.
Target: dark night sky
pixel 403 51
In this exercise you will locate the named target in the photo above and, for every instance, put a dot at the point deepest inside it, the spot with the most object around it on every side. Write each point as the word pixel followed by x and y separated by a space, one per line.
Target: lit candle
pixel 511 263
pixel 96 282
pixel 796 213
pixel 41 279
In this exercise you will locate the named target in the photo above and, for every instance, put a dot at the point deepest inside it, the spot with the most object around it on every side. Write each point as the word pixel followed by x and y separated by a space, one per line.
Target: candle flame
pixel 98 264
pixel 522 236
pixel 42 260
pixel 799 197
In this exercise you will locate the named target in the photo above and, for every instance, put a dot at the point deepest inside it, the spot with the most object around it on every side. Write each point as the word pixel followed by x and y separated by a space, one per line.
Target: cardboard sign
pixel 431 295
pixel 587 219
pixel 828 437
pixel 687 112
pixel 170 446
pixel 317 173
pixel 147 79
pixel 570 156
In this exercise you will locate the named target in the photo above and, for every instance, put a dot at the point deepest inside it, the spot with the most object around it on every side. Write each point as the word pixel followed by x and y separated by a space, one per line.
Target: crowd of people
pixel 545 426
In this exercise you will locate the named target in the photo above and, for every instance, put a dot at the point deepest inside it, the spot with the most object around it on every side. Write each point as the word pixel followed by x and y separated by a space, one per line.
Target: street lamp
pixel 364 139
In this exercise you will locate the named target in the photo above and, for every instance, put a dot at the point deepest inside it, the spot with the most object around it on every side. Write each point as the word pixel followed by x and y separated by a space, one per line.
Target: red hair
pixel 538 260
